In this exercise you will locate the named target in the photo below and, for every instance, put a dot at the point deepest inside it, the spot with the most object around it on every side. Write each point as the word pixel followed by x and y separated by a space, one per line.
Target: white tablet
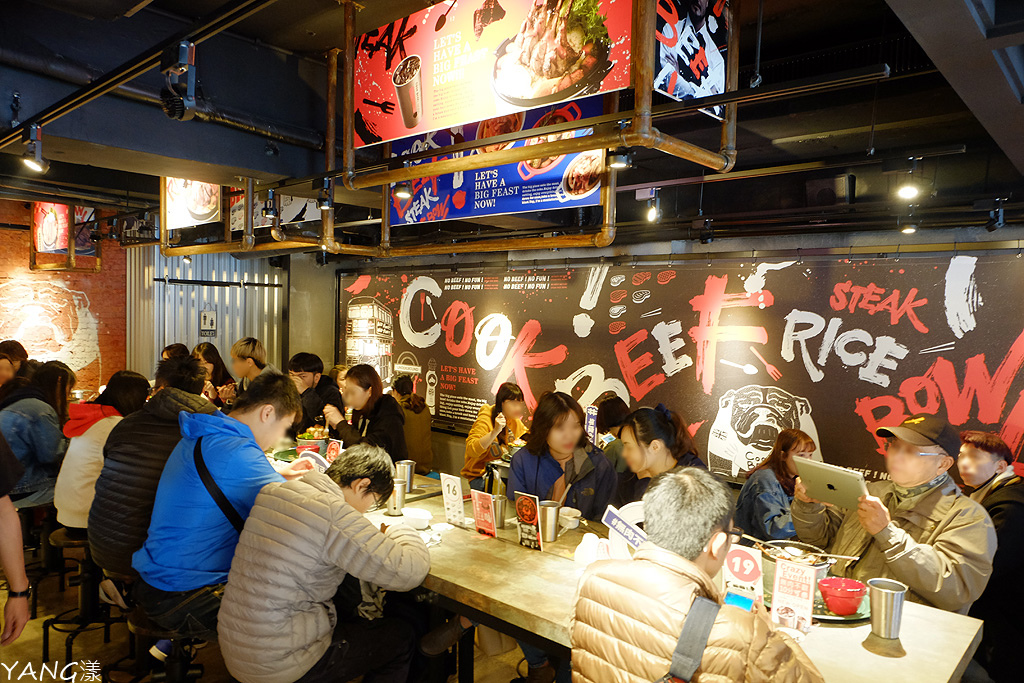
pixel 831 483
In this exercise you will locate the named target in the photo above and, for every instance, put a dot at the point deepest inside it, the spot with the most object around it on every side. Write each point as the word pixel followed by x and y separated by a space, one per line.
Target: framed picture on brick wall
pixel 55 243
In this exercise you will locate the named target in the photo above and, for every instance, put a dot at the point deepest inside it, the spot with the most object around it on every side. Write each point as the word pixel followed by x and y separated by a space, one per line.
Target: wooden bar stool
pixel 91 613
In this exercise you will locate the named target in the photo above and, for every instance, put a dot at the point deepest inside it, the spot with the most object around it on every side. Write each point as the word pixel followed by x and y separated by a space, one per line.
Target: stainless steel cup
pixel 549 520
pixel 408 87
pixel 407 472
pixel 397 500
pixel 499 511
pixel 886 598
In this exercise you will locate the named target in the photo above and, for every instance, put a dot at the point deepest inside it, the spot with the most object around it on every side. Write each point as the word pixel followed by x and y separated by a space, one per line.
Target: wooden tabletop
pixel 534 591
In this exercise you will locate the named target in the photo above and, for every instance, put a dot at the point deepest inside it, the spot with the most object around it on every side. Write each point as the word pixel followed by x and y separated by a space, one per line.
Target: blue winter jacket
pixel 190 542
pixel 763 508
pixel 589 494
pixel 30 427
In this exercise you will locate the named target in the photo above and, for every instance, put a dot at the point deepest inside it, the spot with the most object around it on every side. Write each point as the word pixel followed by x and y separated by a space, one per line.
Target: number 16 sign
pixel 743 570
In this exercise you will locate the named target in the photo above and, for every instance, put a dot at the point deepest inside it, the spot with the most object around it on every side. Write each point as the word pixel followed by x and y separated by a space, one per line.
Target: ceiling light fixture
pixel 620 159
pixel 908 191
pixel 270 206
pixel 33 157
pixel 654 208
pixel 402 190
pixel 325 197
pixel 187 259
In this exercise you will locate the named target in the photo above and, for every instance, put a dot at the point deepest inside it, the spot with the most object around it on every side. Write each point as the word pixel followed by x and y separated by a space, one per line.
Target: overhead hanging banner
pixel 459 62
pixel 189 202
pixel 559 182
pixel 690 53
pixel 834 347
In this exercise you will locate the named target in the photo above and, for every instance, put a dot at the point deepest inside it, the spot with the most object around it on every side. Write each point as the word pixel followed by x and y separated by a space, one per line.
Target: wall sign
pixel 742 350
pixel 545 183
pixel 457 62
pixel 208 323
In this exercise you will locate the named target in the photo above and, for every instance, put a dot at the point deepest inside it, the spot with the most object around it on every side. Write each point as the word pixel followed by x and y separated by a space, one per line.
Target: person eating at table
pixel 654 440
pixel 248 361
pixel 559 463
pixel 278 622
pixel 763 506
pixel 917 527
pixel 207 488
pixel 495 427
pixel 217 375
pixel 305 369
pixel 629 614
pixel 986 466
pixel 377 419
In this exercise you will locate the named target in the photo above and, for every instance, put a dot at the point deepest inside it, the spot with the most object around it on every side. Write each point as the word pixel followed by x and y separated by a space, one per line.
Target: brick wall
pixel 77 318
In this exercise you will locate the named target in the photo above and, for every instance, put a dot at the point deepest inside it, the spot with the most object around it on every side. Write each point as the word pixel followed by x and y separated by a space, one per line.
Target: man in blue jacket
pixel 184 562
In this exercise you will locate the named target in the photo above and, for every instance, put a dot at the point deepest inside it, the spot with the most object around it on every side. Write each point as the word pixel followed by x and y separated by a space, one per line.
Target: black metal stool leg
pixel 465 653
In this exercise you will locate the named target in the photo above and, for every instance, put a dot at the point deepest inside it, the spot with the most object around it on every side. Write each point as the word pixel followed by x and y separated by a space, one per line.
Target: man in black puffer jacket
pixel 133 460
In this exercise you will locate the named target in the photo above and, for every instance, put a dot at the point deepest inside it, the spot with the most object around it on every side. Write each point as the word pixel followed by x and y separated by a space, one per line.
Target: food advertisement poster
pixel 793 594
pixel 50 227
pixel 459 62
pixel 690 58
pixel 84 246
pixel 559 182
pixel 190 202
pixel 290 209
pixel 528 515
pixel 483 512
pixel 742 349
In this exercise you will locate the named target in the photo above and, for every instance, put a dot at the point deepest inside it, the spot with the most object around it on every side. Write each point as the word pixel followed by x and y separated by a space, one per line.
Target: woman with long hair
pixel 654 440
pixel 217 375
pixel 496 426
pixel 377 418
pixel 611 413
pixel 31 419
pixel 88 426
pixel 763 506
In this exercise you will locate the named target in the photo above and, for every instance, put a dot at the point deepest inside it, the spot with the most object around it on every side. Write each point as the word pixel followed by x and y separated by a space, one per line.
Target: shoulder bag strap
pixel 692 641
pixel 211 486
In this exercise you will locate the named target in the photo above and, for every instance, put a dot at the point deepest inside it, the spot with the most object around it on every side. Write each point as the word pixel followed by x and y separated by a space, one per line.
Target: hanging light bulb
pixel 654 208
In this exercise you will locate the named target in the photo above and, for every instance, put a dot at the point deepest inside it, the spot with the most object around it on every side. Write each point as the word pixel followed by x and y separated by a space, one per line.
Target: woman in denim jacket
pixel 763 506
pixel 31 419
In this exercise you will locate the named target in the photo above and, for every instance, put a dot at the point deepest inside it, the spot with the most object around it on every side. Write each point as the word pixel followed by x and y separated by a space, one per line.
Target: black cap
pixel 926 430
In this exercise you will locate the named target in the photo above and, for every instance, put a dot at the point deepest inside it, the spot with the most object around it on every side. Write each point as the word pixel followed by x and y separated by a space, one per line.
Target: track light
pixel 908 191
pixel 33 157
pixel 654 208
pixel 325 197
pixel 403 190
pixel 270 206
pixel 909 229
pixel 187 259
pixel 620 159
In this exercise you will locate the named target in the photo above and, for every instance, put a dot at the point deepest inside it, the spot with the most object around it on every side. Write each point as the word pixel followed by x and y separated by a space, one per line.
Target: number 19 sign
pixel 743 570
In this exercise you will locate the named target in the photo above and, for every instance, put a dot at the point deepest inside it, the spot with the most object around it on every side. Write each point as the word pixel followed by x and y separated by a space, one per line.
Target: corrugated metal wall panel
pixel 162 313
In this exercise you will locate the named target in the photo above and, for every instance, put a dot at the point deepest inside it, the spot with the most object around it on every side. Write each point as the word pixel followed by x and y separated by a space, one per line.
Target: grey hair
pixel 364 461
pixel 684 507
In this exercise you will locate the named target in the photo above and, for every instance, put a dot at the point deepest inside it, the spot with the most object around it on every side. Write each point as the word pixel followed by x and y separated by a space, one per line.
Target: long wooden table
pixel 529 595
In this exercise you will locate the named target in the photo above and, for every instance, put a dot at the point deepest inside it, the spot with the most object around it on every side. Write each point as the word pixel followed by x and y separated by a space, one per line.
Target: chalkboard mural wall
pixel 836 348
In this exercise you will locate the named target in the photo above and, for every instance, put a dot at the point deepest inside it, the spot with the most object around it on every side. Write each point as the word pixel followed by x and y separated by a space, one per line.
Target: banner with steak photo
pixel 459 62
pixel 690 59
pixel 742 350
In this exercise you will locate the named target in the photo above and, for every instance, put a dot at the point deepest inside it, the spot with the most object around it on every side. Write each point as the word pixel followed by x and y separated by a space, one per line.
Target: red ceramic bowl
pixel 842 596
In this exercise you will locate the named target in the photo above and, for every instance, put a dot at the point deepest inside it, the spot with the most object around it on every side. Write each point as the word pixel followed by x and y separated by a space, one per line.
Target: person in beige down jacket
pixel 277 621
pixel 629 613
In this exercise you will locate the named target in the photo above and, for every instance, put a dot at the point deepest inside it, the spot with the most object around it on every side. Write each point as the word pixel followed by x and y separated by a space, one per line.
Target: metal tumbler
pixel 886 598
pixel 397 500
pixel 549 520
pixel 499 511
pixel 406 472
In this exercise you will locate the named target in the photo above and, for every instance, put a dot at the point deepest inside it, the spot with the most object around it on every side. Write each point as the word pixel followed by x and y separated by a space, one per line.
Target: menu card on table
pixel 483 512
pixel 742 571
pixel 527 511
pixel 454 509
pixel 793 594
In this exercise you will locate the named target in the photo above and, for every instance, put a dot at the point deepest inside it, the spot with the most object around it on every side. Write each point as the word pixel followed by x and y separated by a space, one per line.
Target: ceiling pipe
pixel 207 27
pixel 327 242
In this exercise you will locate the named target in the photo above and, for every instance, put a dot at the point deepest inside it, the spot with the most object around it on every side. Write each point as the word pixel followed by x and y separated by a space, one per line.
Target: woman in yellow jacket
pixel 495 426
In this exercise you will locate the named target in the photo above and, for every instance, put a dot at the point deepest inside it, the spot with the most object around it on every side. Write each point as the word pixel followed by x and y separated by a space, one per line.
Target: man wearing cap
pixel 917 528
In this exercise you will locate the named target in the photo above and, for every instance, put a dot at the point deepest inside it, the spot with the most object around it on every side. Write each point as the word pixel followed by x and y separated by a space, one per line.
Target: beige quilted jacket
pixel 299 542
pixel 629 614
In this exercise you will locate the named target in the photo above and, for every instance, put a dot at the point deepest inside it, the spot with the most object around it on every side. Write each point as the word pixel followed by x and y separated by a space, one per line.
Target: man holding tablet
pixel 917 528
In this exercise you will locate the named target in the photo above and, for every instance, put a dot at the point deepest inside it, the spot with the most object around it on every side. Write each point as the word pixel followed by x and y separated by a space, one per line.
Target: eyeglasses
pixel 735 534
pixel 897 447
pixel 378 503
